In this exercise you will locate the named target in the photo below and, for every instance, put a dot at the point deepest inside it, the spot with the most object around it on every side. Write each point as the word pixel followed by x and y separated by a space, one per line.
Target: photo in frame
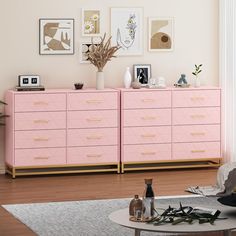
pixel 85 47
pixel 142 73
pixel 91 22
pixel 161 34
pixel 127 30
pixel 56 36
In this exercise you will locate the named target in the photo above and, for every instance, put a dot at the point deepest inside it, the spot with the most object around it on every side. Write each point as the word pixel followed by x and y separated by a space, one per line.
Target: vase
pixel 100 80
pixel 197 82
pixel 127 78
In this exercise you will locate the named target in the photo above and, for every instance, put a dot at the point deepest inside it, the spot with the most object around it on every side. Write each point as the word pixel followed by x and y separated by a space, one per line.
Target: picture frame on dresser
pixel 142 73
pixel 56 36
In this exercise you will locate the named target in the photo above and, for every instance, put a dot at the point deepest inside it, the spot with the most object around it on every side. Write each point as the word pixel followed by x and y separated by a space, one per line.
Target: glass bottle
pixel 135 207
pixel 148 200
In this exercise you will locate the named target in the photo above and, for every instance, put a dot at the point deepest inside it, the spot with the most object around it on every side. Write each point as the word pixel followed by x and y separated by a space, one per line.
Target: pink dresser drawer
pixel 92 101
pixel 151 99
pixel 210 115
pixel 196 98
pixel 40 120
pixel 92 155
pixel 196 133
pixel 147 117
pixel 148 152
pixel 92 137
pixel 40 138
pixel 136 135
pixel 196 150
pixel 40 157
pixel 40 102
pixel 92 119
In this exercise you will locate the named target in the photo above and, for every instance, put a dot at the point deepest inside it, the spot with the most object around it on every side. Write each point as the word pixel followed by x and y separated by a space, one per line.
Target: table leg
pixel 137 232
pixel 227 232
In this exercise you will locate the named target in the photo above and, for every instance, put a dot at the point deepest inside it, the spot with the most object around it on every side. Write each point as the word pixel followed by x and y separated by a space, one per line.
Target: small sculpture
pixel 136 85
pixel 182 82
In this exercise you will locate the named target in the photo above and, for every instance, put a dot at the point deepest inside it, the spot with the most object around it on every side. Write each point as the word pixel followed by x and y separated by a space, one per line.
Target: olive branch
pixel 197 70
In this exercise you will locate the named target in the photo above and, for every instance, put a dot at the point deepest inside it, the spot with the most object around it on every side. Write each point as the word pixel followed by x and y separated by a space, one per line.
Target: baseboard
pixel 2 169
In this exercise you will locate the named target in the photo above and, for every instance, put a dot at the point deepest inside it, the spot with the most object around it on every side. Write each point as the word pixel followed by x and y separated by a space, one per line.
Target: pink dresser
pixel 62 131
pixel 170 128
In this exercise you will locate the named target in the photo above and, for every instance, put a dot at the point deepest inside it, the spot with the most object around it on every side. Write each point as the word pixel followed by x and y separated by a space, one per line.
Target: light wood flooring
pixel 91 186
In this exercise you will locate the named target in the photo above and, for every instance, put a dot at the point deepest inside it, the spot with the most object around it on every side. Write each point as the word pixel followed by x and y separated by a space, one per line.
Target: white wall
pixel 195 30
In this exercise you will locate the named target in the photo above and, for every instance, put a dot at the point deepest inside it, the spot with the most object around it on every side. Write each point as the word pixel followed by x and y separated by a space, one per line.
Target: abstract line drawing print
pixel 56 36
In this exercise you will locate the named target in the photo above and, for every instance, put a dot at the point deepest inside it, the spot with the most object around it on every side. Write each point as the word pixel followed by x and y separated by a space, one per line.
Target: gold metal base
pixel 171 164
pixel 61 169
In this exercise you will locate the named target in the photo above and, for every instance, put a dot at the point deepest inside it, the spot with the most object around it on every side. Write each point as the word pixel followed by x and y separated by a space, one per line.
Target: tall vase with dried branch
pixel 99 55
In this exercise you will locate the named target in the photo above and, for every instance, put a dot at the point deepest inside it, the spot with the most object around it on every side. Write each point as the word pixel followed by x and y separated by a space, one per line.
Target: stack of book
pixel 30 88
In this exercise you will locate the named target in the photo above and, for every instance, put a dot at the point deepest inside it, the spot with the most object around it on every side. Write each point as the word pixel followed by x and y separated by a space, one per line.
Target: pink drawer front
pixel 40 102
pixel 196 150
pixel 185 116
pixel 92 101
pixel 92 119
pixel 92 155
pixel 196 133
pixel 40 120
pixel 40 157
pixel 147 117
pixel 148 152
pixel 136 135
pixel 152 99
pixel 196 98
pixel 92 137
pixel 40 138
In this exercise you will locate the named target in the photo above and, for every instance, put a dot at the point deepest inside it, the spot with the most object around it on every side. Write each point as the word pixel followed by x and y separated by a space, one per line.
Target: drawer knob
pixel 94 101
pixel 196 134
pixel 148 153
pixel 148 100
pixel 94 155
pixel 40 103
pixel 41 121
pixel 41 139
pixel 148 135
pixel 198 151
pixel 148 118
pixel 94 137
pixel 197 116
pixel 41 158
pixel 197 98
pixel 94 119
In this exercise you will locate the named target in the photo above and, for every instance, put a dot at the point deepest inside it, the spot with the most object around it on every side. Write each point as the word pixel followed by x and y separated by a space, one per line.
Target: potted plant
pixel 196 72
pixel 99 55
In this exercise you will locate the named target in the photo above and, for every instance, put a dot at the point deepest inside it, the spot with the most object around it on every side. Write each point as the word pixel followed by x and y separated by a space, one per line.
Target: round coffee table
pixel 121 217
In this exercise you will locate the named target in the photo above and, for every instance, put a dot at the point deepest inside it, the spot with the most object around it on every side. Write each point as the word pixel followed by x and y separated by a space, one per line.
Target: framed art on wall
pixel 161 35
pixel 85 48
pixel 127 30
pixel 56 36
pixel 91 22
pixel 142 73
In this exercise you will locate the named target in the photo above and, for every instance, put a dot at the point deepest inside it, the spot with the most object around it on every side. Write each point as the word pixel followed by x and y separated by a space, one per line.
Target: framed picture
pixel 85 47
pixel 142 73
pixel 161 34
pixel 28 80
pixel 127 30
pixel 56 36
pixel 91 22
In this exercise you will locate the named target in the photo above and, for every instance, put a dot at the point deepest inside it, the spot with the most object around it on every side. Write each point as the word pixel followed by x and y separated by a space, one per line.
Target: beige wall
pixel 195 31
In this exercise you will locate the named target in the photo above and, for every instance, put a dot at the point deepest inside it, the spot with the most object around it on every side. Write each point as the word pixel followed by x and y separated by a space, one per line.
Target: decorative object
pixel 28 80
pixel 127 30
pixel 161 36
pixel 99 56
pixel 127 78
pixel 136 85
pixel 91 22
pixel 182 82
pixel 161 82
pixel 197 70
pixel 78 85
pixel 2 115
pixel 56 36
pixel 85 48
pixel 142 73
pixel 135 207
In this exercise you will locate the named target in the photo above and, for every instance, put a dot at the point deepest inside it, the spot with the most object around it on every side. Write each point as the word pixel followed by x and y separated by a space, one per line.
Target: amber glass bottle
pixel 135 206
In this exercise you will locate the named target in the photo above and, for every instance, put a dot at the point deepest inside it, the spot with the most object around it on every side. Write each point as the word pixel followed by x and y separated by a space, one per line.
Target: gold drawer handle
pixel 148 153
pixel 94 137
pixel 94 155
pixel 198 151
pixel 41 158
pixel 94 101
pixel 197 98
pixel 148 135
pixel 40 103
pixel 148 100
pixel 197 116
pixel 41 139
pixel 41 121
pixel 148 118
pixel 94 119
pixel 195 134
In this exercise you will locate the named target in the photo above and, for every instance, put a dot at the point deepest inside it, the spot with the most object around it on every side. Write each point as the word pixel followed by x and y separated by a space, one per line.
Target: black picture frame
pixel 142 73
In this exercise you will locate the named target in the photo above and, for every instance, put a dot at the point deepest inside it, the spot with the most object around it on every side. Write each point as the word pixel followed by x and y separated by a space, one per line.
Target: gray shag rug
pixel 86 218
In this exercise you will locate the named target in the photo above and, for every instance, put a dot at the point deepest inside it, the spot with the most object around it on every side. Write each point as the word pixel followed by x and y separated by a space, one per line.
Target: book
pixel 32 88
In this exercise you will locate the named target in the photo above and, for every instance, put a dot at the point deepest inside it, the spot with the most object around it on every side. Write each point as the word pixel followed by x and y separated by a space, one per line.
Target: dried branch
pixel 102 53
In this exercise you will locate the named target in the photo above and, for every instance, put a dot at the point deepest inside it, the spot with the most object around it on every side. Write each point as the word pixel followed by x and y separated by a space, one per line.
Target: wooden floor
pixel 91 186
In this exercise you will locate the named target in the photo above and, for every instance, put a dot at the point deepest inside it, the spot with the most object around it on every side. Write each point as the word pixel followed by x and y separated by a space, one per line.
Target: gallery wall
pixel 195 41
